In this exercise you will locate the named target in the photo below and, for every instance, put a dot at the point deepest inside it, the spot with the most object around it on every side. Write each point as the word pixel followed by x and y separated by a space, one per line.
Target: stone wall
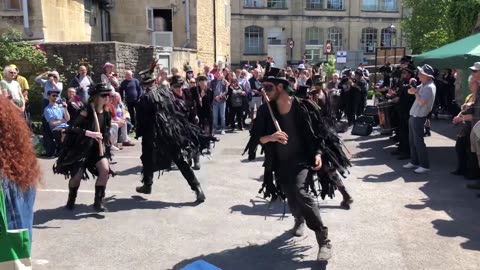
pixel 123 55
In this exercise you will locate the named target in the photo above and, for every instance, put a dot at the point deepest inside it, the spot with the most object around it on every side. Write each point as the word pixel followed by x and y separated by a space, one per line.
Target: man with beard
pixel 404 103
pixel 299 142
pixel 167 135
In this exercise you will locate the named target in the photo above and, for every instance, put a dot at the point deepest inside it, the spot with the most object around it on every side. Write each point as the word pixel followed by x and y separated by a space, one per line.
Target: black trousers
pixel 404 146
pixel 302 204
pixel 236 113
pixel 352 104
pixel 131 110
pixel 148 162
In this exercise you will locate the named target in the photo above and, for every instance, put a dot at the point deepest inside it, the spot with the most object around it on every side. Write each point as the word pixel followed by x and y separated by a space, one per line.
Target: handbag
pixel 372 111
pixel 362 129
pixel 14 244
pixel 367 119
pixel 341 126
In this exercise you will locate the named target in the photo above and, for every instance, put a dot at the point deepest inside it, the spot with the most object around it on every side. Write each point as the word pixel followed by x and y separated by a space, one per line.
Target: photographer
pixel 51 84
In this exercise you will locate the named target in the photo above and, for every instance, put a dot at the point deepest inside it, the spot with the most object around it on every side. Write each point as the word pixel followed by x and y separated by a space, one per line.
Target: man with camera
pixel 424 99
pixel 57 116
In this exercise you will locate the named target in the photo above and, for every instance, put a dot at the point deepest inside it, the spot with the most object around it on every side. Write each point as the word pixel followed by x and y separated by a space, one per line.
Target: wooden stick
pixel 274 119
pixel 97 129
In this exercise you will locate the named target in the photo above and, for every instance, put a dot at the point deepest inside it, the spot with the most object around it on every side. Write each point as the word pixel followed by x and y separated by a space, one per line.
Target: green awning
pixel 460 54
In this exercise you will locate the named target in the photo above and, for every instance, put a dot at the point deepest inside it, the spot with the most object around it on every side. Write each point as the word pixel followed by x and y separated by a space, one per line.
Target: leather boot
pixel 145 189
pixel 298 227
pixel 72 196
pixel 324 245
pixel 347 199
pixel 199 193
pixel 98 202
pixel 196 162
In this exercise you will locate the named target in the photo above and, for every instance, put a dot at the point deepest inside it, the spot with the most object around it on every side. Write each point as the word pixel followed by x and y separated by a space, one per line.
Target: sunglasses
pixel 12 72
pixel 55 96
pixel 268 87
pixel 105 95
pixel 475 71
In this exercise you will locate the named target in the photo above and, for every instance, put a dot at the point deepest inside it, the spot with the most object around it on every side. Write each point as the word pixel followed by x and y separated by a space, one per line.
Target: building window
pixel 277 4
pixel 313 55
pixel 227 15
pixel 254 3
pixel 388 37
pixel 88 11
pixel 370 5
pixel 336 4
pixel 389 5
pixel 13 4
pixel 314 36
pixel 335 35
pixel 254 40
pixel 315 4
pixel 369 40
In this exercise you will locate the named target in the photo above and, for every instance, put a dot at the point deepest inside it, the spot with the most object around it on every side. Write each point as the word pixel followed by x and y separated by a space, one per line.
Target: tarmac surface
pixel 399 220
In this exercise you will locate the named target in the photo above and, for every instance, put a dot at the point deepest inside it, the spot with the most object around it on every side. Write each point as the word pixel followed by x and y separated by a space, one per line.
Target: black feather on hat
pixel 146 76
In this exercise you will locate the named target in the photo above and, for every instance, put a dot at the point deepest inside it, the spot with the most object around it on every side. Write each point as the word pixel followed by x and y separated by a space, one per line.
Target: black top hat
pixel 98 89
pixel 277 76
pixel 176 81
pixel 146 76
pixel 358 71
pixel 406 59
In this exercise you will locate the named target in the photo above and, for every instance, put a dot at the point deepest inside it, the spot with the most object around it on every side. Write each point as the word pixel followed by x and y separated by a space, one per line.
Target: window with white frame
pixel 13 4
pixel 253 40
pixel 389 5
pixel 335 35
pixel 88 11
pixel 369 40
pixel 315 4
pixel 276 3
pixel 314 36
pixel 254 3
pixel 313 54
pixel 336 4
pixel 227 15
pixel 388 38
pixel 370 5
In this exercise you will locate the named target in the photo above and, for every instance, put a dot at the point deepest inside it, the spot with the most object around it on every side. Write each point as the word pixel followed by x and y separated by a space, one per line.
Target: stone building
pixel 265 27
pixel 55 21
pixel 174 24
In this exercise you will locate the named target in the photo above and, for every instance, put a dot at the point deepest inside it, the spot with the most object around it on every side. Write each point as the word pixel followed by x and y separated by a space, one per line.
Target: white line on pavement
pixel 82 191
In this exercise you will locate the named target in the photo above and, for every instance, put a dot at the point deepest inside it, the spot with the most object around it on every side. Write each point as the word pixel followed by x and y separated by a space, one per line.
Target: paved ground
pixel 399 220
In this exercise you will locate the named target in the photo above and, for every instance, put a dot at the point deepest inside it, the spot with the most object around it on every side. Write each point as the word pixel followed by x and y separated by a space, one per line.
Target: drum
pixel 385 110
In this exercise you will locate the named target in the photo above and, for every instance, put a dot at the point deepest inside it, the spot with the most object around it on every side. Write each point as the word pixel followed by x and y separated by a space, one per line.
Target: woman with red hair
pixel 19 170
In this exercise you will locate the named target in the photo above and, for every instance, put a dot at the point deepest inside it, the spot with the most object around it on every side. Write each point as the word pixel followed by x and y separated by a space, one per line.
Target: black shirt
pixel 293 150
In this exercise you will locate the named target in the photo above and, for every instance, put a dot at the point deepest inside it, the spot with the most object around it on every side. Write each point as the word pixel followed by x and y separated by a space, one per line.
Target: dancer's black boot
pixel 98 202
pixel 347 199
pixel 72 196
pixel 199 193
pixel 324 245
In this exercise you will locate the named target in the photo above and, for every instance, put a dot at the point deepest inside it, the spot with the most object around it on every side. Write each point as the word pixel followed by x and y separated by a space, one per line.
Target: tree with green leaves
pixel 433 23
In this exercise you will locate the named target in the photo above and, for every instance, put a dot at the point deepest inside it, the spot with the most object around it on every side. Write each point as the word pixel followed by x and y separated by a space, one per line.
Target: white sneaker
pixel 222 132
pixel 421 170
pixel 410 166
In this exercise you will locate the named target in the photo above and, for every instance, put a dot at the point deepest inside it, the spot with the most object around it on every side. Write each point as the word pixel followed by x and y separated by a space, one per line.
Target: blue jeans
pixel 219 111
pixel 19 205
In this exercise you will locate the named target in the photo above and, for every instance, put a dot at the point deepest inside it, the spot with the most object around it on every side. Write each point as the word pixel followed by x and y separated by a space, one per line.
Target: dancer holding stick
pixel 311 146
pixel 84 148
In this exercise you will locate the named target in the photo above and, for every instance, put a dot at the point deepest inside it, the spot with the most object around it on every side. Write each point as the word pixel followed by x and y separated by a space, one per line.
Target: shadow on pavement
pixel 83 211
pixel 280 253
pixel 134 170
pixel 445 192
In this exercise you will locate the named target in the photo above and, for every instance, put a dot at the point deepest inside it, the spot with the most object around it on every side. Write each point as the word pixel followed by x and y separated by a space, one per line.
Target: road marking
pixel 40 262
pixel 81 191
pixel 115 157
